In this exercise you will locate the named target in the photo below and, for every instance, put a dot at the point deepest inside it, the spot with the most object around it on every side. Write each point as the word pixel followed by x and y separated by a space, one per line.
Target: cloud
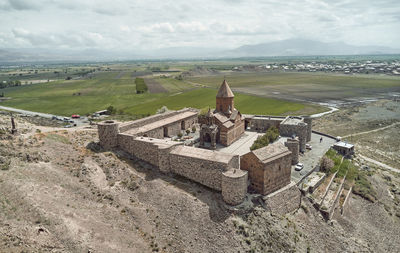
pixel 69 40
pixel 18 5
pixel 201 23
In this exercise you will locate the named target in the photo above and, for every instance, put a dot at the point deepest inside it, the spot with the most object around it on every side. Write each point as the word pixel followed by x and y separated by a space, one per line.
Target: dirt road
pixel 372 131
pixel 79 122
pixel 379 163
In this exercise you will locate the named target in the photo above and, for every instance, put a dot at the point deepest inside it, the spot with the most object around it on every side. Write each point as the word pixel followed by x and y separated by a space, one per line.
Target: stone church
pixel 225 124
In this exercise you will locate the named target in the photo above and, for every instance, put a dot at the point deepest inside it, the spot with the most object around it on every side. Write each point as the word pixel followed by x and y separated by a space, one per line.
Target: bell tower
pixel 225 97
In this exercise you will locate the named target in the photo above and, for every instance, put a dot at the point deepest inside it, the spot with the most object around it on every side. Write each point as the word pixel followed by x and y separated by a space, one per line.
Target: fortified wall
pixel 288 126
pixel 214 169
pixel 295 126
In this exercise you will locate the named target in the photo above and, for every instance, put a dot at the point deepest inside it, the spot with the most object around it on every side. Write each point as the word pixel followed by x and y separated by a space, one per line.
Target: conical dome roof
pixel 224 91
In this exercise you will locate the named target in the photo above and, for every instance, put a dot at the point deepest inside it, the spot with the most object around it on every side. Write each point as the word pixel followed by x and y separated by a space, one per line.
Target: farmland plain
pixel 183 85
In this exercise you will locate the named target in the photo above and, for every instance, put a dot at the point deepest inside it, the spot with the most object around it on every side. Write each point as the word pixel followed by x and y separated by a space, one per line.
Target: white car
pixel 299 166
pixel 308 146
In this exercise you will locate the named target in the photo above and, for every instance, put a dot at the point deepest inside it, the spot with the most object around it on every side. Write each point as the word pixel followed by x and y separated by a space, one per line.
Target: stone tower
pixel 225 99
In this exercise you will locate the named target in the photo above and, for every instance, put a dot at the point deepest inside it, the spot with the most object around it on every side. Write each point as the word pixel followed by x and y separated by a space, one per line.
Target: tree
pixel 270 136
pixel 111 110
pixel 326 163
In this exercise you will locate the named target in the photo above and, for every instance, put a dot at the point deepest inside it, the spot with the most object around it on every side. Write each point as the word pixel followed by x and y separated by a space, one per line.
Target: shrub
pixel 194 129
pixel 5 165
pixel 111 110
pixel 270 136
pixel 180 135
pixel 187 131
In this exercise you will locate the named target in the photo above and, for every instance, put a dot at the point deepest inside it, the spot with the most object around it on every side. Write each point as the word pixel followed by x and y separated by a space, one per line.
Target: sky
pixel 152 24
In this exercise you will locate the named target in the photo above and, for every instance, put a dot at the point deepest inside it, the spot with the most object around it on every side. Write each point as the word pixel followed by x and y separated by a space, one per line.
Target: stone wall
pixel 157 133
pixel 300 130
pixel 189 123
pixel 293 146
pixel 224 104
pixel 269 176
pixel 173 129
pixel 261 124
pixel 228 136
pixel 145 149
pixel 234 186
pixel 125 141
pixel 284 201
pixel 277 174
pixel 108 132
pixel 308 121
pixel 250 163
pixel 188 162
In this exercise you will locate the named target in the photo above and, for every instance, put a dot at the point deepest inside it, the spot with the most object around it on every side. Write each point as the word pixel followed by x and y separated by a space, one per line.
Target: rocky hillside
pixel 60 192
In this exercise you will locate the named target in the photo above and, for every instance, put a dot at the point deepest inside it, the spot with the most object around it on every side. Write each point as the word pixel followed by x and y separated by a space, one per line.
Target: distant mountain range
pixel 301 47
pixel 291 47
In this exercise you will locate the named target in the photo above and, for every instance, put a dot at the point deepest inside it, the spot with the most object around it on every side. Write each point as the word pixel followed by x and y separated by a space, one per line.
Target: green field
pixel 205 97
pixel 119 90
pixel 283 78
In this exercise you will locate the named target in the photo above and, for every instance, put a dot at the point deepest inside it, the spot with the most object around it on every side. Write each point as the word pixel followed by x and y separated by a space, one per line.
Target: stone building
pixel 289 126
pixel 344 148
pixel 269 167
pixel 229 121
pixel 293 126
pixel 145 140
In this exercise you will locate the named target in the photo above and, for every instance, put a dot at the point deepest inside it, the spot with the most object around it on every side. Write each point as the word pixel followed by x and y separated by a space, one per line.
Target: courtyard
pixel 311 158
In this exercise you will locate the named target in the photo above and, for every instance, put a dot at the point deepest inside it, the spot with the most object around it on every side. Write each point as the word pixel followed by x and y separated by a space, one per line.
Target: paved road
pixel 379 163
pixel 79 122
pixel 311 158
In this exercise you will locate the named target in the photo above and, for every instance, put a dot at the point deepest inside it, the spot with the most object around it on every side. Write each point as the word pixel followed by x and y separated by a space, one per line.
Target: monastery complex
pixel 263 171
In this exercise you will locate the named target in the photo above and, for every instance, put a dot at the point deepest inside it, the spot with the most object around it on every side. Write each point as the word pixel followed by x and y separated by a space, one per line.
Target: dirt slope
pixel 61 193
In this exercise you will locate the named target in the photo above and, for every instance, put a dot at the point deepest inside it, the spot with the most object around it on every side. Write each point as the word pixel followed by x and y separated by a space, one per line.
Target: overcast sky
pixel 150 24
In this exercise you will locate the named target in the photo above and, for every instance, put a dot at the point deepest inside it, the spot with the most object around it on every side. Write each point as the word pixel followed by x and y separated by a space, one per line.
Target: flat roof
pixel 343 144
pixel 203 154
pixel 269 117
pixel 293 121
pixel 161 123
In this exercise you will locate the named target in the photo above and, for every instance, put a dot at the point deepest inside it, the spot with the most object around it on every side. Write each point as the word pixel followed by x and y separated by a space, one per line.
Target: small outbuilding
pixel 344 148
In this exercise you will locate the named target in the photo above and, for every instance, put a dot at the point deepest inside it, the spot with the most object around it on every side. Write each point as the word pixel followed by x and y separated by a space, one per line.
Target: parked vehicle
pixel 308 146
pixel 68 126
pixel 299 166
pixel 75 116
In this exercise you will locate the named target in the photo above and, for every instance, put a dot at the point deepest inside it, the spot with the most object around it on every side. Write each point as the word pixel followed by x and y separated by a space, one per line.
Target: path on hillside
pixel 79 121
pixel 379 163
pixel 372 131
